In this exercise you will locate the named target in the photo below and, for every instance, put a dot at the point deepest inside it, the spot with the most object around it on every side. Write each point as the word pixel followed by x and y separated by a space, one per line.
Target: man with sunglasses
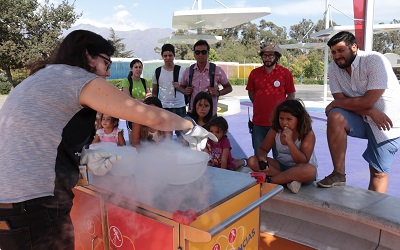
pixel 201 77
pixel 267 87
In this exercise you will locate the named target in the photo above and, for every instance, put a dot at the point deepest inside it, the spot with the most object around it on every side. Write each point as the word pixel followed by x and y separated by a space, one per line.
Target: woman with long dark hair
pixel 45 122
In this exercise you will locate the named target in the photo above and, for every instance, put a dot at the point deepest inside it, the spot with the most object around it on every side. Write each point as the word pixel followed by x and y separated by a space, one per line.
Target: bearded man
pixel 366 105
pixel 268 86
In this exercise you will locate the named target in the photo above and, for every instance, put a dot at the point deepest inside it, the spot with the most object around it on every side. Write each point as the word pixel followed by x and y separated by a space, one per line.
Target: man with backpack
pixel 204 76
pixel 165 82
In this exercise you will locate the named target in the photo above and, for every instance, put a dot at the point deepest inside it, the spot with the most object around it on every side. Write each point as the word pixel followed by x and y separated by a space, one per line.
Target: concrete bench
pixel 334 218
pixel 228 105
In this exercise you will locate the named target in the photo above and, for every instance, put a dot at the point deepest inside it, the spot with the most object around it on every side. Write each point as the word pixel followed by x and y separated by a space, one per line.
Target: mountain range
pixel 141 42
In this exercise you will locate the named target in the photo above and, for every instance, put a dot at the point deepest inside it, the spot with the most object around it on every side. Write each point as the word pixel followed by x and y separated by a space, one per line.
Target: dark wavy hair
pixel 200 96
pixel 134 61
pixel 201 42
pixel 344 36
pixel 296 108
pixel 153 100
pixel 72 50
pixel 219 122
pixel 113 119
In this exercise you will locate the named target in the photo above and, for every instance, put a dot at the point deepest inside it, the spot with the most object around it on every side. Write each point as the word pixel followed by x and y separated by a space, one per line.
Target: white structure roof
pixel 378 28
pixel 303 46
pixel 216 18
pixel 394 59
pixel 190 39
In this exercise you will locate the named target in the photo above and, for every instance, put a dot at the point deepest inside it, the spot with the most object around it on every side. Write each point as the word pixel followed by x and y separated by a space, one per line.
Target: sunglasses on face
pixel 197 52
pixel 108 60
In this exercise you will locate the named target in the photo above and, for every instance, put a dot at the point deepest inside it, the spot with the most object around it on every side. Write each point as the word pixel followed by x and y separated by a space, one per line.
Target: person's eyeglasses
pixel 108 60
pixel 270 56
pixel 197 52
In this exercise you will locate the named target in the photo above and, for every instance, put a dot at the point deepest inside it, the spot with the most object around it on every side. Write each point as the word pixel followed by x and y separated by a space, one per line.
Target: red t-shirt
pixel 269 91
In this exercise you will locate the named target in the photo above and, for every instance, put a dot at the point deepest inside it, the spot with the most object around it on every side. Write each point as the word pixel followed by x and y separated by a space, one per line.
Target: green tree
pixel 119 46
pixel 387 41
pixel 30 31
pixel 301 32
pixel 269 32
pixel 314 66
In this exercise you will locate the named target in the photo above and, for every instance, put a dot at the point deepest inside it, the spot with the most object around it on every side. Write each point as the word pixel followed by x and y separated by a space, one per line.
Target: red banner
pixel 359 21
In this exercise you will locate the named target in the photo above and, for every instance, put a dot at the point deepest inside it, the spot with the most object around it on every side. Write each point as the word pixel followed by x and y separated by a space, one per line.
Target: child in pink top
pixel 109 131
pixel 220 151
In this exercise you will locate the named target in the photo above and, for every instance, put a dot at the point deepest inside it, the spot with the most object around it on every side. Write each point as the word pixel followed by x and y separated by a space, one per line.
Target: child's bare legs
pixel 303 172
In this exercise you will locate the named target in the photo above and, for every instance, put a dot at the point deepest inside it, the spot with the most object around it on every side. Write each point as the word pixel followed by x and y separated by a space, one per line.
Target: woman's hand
pixel 197 136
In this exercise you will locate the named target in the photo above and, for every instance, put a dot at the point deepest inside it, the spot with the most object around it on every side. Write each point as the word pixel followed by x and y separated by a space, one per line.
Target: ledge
pixel 228 105
pixel 339 217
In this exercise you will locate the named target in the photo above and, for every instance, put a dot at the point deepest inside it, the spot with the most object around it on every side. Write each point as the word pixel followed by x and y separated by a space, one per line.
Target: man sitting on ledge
pixel 366 105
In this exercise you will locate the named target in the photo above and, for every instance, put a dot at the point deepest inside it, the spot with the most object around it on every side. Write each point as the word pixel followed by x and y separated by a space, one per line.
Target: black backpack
pixel 177 68
pixel 129 124
pixel 131 84
pixel 191 71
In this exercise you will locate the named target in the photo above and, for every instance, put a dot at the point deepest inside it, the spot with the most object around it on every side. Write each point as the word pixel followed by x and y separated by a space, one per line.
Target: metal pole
pixel 369 22
pixel 326 51
pixel 244 71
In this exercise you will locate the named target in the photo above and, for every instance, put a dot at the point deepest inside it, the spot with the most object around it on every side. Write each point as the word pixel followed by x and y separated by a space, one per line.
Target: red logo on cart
pixel 116 236
pixel 217 246
pixel 232 235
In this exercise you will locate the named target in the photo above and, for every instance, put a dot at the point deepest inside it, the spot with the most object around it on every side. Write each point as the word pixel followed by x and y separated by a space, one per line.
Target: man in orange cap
pixel 267 87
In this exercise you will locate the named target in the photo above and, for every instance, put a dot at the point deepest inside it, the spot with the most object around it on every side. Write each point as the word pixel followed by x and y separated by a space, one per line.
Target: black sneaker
pixel 334 179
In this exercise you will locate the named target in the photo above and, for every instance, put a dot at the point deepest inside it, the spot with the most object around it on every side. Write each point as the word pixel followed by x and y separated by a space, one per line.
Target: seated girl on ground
pixel 109 131
pixel 292 134
pixel 220 151
pixel 142 133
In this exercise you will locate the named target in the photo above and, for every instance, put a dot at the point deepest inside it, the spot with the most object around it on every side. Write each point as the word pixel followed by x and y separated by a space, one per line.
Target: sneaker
pixel 334 179
pixel 294 186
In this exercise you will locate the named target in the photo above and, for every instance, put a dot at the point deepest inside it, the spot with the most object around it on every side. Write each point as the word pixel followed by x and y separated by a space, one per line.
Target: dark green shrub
pixel 313 81
pixel 238 81
pixel 5 88
pixel 116 82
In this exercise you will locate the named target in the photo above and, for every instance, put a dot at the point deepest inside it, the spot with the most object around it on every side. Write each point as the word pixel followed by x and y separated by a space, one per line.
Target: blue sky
pixel 123 15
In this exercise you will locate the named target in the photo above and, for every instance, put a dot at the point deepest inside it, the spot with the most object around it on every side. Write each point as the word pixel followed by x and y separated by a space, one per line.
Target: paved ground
pixel 2 99
pixel 312 95
pixel 357 172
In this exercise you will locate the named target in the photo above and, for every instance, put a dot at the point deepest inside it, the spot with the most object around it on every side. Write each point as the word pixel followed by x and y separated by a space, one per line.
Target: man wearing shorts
pixel 366 105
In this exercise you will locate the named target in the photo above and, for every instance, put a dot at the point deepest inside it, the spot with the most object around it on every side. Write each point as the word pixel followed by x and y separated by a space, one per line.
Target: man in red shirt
pixel 268 86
